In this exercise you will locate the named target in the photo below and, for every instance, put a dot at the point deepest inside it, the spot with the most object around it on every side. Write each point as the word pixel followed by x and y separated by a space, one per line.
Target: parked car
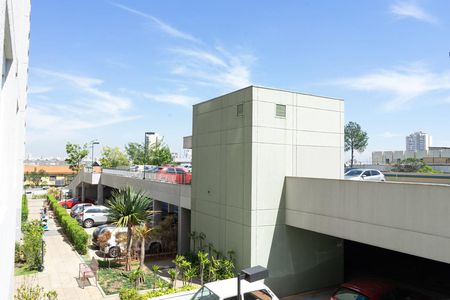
pixel 93 215
pixel 364 174
pixel 227 289
pixel 175 175
pixel 100 230
pixel 374 289
pixel 114 249
pixel 77 208
pixel 69 203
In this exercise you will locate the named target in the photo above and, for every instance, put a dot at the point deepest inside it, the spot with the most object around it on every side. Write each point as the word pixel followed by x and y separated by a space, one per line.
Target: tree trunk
pixel 201 275
pixel 128 261
pixel 141 265
pixel 351 162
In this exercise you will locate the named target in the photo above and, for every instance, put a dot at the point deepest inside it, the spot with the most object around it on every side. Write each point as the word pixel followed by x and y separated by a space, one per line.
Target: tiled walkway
pixel 61 265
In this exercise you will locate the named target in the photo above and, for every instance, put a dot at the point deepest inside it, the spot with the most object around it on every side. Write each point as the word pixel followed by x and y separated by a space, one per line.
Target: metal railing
pixel 157 177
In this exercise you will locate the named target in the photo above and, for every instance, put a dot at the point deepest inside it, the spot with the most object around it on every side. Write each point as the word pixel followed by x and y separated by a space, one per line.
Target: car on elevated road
pixel 69 203
pixel 364 175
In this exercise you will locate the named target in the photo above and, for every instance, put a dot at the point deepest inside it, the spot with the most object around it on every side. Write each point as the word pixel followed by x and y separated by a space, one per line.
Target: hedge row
pixel 76 234
pixel 24 208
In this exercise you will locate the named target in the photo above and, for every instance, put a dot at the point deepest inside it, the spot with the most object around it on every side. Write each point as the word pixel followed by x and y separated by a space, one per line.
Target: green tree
pixel 203 262
pixel 141 232
pixel 113 157
pixel 355 139
pixel 128 208
pixel 410 164
pixel 157 154
pixel 160 154
pixel 75 154
pixel 35 176
pixel 136 153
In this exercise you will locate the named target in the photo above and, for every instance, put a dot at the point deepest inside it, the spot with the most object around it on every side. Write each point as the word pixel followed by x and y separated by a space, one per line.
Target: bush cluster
pixel 133 294
pixel 32 244
pixel 24 208
pixel 76 234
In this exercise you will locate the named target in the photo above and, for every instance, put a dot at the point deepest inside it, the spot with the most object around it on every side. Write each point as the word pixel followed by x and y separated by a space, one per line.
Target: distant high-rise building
pixel 418 141
pixel 152 138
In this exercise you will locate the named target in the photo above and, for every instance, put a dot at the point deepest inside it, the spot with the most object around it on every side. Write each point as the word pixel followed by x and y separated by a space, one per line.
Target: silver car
pixel 93 215
pixel 364 174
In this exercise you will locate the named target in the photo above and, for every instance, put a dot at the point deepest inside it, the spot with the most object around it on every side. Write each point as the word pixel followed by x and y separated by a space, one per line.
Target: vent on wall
pixel 280 111
pixel 240 110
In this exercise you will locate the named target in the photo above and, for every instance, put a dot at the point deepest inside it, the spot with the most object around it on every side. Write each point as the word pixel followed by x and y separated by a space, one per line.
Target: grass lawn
pixel 22 270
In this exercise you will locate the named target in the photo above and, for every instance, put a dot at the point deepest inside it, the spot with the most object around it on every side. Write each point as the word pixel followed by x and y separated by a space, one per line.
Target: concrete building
pixel 258 189
pixel 244 145
pixel 14 37
pixel 151 138
pixel 52 175
pixel 418 141
pixel 432 156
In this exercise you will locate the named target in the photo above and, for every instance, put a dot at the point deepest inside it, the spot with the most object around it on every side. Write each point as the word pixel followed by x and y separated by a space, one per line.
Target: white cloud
pixel 39 89
pixel 404 84
pixel 216 68
pixel 88 106
pixel 408 9
pixel 164 27
pixel 178 99
pixel 198 65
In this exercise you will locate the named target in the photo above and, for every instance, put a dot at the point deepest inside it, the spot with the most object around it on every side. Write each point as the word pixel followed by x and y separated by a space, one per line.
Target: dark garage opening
pixel 362 260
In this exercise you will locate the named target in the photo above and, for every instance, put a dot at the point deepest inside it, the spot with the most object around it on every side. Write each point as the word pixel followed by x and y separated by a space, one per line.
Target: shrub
pixel 19 256
pixel 26 292
pixel 133 294
pixel 76 234
pixel 32 243
pixel 130 294
pixel 53 191
pixel 24 208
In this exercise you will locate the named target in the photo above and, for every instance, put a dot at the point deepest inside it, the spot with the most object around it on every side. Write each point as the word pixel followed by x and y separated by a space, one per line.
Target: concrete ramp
pixel 404 217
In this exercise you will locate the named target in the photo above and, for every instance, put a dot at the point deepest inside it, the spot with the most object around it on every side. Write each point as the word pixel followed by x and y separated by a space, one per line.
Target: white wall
pixel 13 99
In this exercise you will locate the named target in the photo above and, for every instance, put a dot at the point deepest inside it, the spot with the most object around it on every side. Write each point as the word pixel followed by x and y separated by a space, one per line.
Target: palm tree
pixel 142 232
pixel 203 261
pixel 128 208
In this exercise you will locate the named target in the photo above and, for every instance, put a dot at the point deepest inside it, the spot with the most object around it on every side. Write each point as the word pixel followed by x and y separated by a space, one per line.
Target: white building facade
pixel 14 35
pixel 418 141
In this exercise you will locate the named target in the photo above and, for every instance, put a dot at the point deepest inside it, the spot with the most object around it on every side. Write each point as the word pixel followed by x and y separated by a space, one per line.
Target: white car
pixel 227 289
pixel 93 215
pixel 364 174
pixel 114 249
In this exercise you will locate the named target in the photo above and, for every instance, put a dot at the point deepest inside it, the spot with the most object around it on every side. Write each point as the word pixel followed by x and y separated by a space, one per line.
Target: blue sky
pixel 111 70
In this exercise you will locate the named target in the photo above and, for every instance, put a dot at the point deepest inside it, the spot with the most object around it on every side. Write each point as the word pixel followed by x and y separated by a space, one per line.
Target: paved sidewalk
pixel 61 264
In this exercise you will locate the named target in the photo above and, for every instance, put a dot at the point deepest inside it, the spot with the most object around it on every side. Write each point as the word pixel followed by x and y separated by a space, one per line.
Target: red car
pixel 69 203
pixel 174 175
pixel 374 289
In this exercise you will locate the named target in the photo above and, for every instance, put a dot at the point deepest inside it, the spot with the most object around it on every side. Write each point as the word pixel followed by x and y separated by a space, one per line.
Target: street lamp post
pixel 146 148
pixel 251 275
pixel 92 161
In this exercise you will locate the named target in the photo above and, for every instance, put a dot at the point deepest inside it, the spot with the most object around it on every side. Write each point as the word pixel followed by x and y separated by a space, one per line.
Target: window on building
pixel 7 50
pixel 280 111
pixel 240 110
pixel 52 178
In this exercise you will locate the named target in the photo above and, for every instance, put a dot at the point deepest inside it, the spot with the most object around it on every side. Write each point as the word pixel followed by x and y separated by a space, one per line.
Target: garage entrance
pixel 361 260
